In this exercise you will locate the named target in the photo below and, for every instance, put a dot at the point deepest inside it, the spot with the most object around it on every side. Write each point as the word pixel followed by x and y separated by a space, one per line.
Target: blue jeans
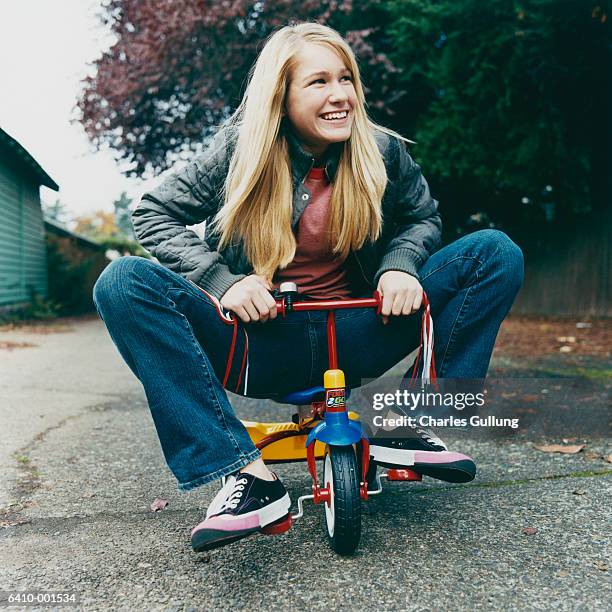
pixel 171 336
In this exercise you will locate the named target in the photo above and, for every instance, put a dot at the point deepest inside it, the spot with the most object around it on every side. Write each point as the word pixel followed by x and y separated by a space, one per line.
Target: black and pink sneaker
pixel 422 451
pixel 244 505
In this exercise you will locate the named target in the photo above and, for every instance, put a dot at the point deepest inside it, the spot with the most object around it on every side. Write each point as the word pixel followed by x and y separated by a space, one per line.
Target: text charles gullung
pixel 427 420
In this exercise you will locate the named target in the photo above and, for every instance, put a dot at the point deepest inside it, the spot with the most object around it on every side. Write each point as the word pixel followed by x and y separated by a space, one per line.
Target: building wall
pixel 23 266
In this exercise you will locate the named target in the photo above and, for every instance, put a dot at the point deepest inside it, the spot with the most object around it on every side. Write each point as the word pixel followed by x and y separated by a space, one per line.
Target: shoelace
pixel 234 495
pixel 221 497
pixel 429 437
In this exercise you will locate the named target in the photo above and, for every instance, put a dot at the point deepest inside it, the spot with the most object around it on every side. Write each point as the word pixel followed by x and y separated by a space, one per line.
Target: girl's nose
pixel 338 93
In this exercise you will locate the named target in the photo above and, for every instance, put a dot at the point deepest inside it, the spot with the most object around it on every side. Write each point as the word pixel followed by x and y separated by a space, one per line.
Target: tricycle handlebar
pixel 374 302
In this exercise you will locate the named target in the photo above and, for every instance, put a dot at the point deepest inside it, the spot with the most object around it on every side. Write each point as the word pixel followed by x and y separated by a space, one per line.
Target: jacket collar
pixel 302 161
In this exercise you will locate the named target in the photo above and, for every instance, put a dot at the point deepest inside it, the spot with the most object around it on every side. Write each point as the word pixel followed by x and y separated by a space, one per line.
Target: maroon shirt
pixel 317 272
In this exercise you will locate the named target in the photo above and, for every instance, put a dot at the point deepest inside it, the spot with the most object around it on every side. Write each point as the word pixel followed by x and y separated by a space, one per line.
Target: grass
pixel 22 459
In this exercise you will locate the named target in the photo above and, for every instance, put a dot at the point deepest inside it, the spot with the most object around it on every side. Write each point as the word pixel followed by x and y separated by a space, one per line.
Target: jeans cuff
pixel 226 471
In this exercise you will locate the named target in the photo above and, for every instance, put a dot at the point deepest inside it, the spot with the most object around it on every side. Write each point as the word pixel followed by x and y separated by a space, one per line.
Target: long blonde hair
pixel 258 191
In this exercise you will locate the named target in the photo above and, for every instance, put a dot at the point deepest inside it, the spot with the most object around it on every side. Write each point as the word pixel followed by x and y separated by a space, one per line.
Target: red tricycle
pixel 324 429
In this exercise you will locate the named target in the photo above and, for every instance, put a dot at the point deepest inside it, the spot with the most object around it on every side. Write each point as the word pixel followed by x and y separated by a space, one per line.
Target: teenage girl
pixel 299 185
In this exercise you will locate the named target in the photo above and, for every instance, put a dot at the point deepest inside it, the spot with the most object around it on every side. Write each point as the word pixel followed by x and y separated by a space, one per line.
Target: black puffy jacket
pixel 411 229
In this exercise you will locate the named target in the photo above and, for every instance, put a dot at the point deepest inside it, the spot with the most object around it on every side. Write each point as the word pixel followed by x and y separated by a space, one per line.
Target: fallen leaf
pixel 145 565
pixel 508 395
pixel 582 325
pixel 592 455
pixel 609 458
pixel 159 504
pixel 530 530
pixel 601 565
pixel 565 349
pixel 9 346
pixel 570 449
pixel 562 574
pixel 578 492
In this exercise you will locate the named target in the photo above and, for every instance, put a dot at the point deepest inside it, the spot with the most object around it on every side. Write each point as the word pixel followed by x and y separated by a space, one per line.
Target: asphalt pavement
pixel 81 465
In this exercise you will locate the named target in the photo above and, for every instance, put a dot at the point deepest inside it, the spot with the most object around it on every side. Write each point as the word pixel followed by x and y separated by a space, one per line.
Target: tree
pixel 177 69
pixel 98 226
pixel 57 212
pixel 123 218
pixel 510 100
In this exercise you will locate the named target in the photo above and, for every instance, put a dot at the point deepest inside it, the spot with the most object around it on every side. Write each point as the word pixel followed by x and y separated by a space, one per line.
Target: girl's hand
pixel 402 294
pixel 250 299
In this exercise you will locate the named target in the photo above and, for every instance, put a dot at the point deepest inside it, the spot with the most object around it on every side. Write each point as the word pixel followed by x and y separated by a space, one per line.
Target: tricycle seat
pixel 306 396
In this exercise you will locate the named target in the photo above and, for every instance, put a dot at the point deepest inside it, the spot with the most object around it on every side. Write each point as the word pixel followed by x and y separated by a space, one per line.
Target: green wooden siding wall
pixel 23 265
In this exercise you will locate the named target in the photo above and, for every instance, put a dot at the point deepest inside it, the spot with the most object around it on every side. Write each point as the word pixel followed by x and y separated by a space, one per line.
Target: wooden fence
pixel 573 277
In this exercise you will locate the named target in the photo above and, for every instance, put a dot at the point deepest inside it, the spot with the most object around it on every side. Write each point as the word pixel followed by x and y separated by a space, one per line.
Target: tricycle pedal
pixel 403 474
pixel 279 526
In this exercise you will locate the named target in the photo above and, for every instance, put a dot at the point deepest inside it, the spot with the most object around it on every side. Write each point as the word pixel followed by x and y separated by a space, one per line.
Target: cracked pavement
pixel 81 464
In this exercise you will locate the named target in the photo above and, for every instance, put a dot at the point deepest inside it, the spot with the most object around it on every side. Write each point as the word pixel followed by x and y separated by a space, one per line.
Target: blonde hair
pixel 258 192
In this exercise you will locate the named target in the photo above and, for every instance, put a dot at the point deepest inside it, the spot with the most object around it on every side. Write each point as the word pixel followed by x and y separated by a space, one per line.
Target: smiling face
pixel 321 98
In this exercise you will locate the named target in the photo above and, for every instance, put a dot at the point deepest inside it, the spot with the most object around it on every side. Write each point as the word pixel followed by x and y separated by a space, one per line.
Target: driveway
pixel 81 465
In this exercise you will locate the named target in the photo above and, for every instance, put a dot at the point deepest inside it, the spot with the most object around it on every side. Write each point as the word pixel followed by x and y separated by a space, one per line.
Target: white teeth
pixel 341 115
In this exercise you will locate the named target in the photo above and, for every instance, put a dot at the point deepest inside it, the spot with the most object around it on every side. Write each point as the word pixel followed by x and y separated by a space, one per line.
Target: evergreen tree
pixel 57 212
pixel 508 102
pixel 123 213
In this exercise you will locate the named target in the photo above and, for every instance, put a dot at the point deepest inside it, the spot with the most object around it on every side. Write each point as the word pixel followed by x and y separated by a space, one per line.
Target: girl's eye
pixel 347 77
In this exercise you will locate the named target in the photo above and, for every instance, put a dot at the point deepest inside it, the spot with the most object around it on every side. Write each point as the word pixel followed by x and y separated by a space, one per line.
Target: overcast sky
pixel 45 49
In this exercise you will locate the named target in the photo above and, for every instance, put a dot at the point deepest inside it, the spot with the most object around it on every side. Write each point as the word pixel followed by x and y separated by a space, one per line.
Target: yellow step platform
pixel 292 448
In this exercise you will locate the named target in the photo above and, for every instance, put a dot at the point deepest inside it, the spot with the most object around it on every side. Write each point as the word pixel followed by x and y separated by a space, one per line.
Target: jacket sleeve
pixel 418 228
pixel 188 197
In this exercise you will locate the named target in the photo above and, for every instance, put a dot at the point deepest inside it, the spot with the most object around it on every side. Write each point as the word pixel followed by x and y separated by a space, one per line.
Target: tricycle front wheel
pixel 343 508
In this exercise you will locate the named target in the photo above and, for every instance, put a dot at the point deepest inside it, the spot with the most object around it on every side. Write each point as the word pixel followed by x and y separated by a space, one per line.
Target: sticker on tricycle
pixel 334 398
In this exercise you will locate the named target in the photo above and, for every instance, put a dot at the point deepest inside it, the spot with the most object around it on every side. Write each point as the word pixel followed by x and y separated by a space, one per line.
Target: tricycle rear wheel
pixel 343 509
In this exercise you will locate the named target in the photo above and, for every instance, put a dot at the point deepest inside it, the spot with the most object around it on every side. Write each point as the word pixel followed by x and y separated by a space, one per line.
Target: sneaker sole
pixel 442 465
pixel 207 538
pixel 458 472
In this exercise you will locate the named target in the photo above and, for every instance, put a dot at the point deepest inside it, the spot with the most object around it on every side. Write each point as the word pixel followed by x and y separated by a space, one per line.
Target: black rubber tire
pixel 345 515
